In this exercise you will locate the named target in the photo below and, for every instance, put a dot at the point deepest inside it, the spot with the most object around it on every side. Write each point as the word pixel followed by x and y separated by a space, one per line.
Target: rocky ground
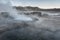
pixel 43 28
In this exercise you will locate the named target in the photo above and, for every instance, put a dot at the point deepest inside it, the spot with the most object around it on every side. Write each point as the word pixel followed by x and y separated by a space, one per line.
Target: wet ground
pixel 44 28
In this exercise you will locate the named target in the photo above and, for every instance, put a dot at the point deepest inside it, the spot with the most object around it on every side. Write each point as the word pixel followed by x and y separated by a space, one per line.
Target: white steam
pixel 12 12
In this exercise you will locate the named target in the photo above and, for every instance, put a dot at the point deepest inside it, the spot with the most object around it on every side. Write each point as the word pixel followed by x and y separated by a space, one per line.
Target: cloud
pixel 39 3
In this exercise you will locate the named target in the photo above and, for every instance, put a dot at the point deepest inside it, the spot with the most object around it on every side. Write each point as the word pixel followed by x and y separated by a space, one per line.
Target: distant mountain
pixel 27 8
pixel 30 8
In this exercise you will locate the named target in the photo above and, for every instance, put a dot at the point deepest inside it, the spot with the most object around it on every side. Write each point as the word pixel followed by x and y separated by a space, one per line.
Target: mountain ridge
pixel 30 8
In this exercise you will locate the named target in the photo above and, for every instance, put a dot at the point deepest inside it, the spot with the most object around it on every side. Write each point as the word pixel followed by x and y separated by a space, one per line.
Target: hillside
pixel 27 8
pixel 30 8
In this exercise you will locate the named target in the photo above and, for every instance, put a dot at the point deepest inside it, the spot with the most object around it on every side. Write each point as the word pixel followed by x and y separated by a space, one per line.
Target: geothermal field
pixel 28 25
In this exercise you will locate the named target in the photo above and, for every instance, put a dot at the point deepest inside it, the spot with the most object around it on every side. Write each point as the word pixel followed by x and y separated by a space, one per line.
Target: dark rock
pixel 36 13
pixel 6 15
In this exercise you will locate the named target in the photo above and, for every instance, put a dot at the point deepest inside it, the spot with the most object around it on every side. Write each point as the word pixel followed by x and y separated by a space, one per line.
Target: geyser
pixel 13 13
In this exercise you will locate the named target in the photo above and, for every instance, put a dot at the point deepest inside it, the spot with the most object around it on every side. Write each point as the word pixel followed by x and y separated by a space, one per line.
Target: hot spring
pixel 13 13
pixel 13 26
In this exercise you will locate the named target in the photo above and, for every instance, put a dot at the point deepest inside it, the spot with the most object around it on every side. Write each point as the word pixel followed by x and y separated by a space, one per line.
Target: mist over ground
pixel 28 25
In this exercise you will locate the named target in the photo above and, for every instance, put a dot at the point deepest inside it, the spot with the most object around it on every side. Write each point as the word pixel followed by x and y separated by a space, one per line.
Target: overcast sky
pixel 38 3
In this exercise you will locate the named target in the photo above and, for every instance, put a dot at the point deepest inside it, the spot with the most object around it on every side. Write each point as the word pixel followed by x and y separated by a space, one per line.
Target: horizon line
pixel 41 7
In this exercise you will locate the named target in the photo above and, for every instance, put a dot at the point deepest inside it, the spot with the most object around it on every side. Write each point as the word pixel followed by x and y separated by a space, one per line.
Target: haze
pixel 38 3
